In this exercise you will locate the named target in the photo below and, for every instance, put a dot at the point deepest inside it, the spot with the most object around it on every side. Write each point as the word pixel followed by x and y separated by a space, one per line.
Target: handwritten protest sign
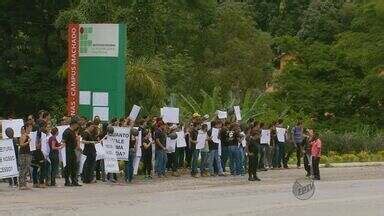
pixel 110 160
pixel 120 139
pixel 8 163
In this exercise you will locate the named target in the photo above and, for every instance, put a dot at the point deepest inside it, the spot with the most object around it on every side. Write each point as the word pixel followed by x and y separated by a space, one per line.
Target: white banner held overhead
pixel 171 115
pixel 8 163
pixel 221 114
pixel 120 139
pixel 237 113
pixel 15 124
pixel 110 161
pixel 134 112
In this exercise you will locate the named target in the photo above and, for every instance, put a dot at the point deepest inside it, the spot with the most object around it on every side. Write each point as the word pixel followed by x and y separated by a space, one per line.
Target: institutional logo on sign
pixel 303 188
pixel 99 40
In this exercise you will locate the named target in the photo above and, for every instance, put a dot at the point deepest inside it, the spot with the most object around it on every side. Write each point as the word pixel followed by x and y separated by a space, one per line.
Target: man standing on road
pixel 297 133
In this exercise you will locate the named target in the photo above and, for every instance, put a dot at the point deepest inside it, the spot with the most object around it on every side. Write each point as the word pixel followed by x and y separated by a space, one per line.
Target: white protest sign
pixel 215 135
pixel 280 134
pixel 82 161
pixel 201 138
pixel 265 137
pixel 120 139
pixel 63 156
pixel 171 115
pixel 61 130
pixel 237 112
pixel 209 125
pixel 170 145
pixel 180 141
pixel 221 114
pixel 32 143
pixel 138 144
pixel 8 163
pixel 110 161
pixel 100 151
pixel 162 112
pixel 45 148
pixel 243 141
pixel 134 112
pixel 15 124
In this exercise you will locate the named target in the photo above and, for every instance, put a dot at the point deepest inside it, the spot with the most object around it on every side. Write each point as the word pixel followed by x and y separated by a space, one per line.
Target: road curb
pixel 353 164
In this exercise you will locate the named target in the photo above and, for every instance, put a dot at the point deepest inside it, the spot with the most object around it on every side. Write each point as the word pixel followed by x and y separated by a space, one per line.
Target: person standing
pixel 24 156
pixel 54 146
pixel 147 155
pixel 316 154
pixel 70 142
pixel 131 156
pixel 252 149
pixel 10 135
pixel 265 140
pixel 297 133
pixel 89 139
pixel 233 141
pixel 214 149
pixel 223 135
pixel 160 149
pixel 281 133
pixel 307 151
pixel 195 152
pixel 204 153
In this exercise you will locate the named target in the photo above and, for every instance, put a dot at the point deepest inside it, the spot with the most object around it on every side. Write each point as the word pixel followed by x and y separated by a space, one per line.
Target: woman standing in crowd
pixel 147 155
pixel 24 156
pixel 89 138
pixel 55 146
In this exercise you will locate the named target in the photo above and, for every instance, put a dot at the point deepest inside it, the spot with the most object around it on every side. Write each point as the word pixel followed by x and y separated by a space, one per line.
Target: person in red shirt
pixel 315 154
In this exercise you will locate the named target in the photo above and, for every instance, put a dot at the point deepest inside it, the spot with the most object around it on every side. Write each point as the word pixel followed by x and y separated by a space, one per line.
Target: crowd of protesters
pixel 239 148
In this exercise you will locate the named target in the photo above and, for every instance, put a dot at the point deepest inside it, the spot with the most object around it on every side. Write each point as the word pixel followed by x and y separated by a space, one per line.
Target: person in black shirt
pixel 223 134
pixel 89 136
pixel 252 149
pixel 160 149
pixel 195 152
pixel 147 154
pixel 70 142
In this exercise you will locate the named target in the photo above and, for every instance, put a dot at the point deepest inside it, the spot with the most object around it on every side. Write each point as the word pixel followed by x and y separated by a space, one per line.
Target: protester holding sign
pixel 281 134
pixel 10 135
pixel 214 143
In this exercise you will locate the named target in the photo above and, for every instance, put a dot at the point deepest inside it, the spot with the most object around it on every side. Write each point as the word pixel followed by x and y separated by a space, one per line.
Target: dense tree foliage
pixel 208 54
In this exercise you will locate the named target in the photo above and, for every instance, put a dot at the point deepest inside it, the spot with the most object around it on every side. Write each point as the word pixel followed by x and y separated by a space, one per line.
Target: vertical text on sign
pixel 73 69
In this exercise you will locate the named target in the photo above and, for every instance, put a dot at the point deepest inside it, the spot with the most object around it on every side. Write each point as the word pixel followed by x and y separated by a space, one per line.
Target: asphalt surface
pixel 342 191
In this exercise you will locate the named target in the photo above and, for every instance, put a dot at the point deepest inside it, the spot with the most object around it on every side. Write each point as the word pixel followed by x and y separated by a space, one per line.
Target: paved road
pixel 342 191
